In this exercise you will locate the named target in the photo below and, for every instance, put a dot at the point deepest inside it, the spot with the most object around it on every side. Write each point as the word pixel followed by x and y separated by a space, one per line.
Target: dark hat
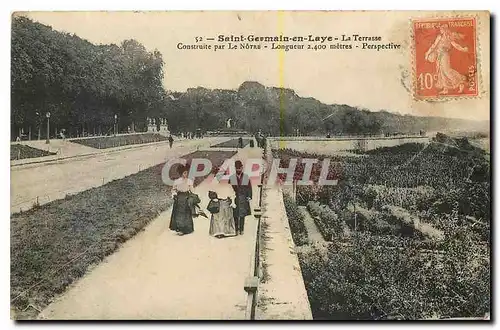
pixel 182 168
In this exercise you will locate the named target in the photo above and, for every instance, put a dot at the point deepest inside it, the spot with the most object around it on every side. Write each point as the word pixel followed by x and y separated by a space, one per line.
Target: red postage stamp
pixel 445 60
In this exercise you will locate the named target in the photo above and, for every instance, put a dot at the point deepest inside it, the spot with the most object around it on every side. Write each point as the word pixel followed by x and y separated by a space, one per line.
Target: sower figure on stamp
pixel 439 52
pixel 243 190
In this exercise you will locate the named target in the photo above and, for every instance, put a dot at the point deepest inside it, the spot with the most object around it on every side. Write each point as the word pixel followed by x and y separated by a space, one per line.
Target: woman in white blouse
pixel 182 218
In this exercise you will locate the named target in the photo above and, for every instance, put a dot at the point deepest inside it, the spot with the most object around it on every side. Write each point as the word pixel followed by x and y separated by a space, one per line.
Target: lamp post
pixel 39 125
pixel 48 127
pixel 116 117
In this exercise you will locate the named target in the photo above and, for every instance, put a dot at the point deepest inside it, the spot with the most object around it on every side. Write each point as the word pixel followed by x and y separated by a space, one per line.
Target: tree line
pixel 84 86
pixel 280 111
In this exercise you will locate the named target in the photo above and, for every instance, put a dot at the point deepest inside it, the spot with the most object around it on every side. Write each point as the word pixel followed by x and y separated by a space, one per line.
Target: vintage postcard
pixel 273 165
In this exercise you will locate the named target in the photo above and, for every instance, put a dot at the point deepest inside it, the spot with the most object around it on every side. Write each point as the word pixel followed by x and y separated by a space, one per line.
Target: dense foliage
pixel 430 181
pixel 21 151
pixel 296 221
pixel 327 221
pixel 81 84
pixel 366 280
pixel 286 156
pixel 409 229
pixel 280 111
pixel 120 140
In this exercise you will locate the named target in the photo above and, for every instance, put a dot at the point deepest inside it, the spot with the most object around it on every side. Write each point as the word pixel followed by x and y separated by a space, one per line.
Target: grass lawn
pixel 121 140
pixel 21 151
pixel 53 245
pixel 231 144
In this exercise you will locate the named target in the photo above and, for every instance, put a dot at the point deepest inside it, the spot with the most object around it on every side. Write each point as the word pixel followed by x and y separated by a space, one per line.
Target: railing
pixel 347 137
pixel 252 281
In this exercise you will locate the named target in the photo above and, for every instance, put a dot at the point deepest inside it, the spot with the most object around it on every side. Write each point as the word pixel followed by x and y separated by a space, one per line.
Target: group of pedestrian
pixel 261 140
pixel 227 219
pixel 192 135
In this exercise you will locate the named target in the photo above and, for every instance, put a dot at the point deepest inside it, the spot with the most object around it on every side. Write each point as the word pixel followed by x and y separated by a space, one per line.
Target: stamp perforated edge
pixel 478 24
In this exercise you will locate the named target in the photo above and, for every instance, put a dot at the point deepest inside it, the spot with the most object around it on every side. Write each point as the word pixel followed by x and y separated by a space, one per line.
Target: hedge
pixel 296 221
pixel 328 222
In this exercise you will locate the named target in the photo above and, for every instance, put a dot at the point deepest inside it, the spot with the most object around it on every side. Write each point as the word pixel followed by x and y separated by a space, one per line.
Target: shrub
pixel 438 196
pixel 21 151
pixel 370 221
pixel 285 155
pixel 412 198
pixel 305 194
pixel 364 280
pixel 296 221
pixel 327 221
pixel 120 140
pixel 411 224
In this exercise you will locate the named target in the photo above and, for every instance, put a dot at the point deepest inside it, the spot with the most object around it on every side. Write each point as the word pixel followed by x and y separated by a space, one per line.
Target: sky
pixel 375 80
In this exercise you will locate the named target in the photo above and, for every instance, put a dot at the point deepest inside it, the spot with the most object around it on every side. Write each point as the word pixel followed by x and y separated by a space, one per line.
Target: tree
pixel 81 84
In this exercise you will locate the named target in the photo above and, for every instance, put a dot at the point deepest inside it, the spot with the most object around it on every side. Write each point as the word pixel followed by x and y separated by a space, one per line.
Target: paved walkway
pixel 312 230
pixel 50 181
pixel 159 275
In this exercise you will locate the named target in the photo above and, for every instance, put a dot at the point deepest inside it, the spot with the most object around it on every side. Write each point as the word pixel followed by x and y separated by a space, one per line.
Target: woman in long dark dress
pixel 182 217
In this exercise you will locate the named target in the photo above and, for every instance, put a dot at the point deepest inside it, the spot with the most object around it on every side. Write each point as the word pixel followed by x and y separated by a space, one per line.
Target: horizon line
pixel 359 108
